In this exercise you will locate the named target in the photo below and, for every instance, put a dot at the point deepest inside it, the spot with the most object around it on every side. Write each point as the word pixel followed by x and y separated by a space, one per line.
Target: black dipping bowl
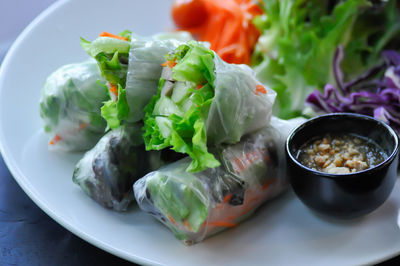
pixel 343 196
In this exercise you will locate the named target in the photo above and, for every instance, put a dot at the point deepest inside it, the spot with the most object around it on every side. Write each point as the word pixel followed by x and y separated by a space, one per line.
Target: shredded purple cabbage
pixel 375 93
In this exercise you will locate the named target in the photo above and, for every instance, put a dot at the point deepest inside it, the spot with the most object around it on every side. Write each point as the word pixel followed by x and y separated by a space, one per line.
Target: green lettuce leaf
pixel 377 29
pixel 115 111
pixel 112 56
pixel 179 200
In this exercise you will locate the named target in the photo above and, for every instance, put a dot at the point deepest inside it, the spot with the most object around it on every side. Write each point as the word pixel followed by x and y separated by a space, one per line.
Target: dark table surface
pixel 28 236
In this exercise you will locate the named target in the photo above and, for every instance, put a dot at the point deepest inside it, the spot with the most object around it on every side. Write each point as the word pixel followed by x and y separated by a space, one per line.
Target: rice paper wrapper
pixel 144 69
pixel 195 206
pixel 107 172
pixel 237 108
pixel 70 105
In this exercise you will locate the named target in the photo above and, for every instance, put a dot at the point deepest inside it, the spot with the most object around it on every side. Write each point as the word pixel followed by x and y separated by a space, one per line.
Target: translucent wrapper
pixel 70 107
pixel 197 205
pixel 237 108
pixel 146 55
pixel 107 172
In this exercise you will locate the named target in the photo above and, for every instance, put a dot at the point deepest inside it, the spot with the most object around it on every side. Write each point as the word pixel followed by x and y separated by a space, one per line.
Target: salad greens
pixel 299 39
pixel 375 30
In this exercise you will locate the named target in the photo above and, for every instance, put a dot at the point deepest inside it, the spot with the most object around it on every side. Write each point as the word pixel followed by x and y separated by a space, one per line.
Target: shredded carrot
pixel 227 197
pixel 113 89
pixel 172 219
pixel 228 28
pixel 199 86
pixel 260 89
pixel 266 185
pixel 250 157
pixel 269 182
pixel 222 224
pixel 56 139
pixel 219 206
pixel 245 160
pixel 107 34
pixel 82 126
pixel 187 225
pixel 170 64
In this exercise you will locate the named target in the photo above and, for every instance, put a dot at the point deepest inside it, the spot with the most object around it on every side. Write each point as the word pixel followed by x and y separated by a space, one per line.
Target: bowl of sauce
pixel 343 165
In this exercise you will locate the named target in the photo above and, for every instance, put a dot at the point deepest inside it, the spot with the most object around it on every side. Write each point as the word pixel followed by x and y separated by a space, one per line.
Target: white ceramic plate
pixel 283 232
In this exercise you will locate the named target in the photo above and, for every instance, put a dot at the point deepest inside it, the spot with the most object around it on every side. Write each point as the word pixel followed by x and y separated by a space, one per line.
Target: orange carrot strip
pixel 113 89
pixel 269 182
pixel 169 64
pixel 56 139
pixel 229 25
pixel 82 126
pixel 227 198
pixel 107 34
pixel 266 185
pixel 172 219
pixel 260 89
pixel 187 225
pixel 222 224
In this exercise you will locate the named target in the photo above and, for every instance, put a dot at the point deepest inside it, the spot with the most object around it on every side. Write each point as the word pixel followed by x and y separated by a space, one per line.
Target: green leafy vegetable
pixel 112 56
pixel 181 124
pixel 375 30
pixel 115 111
pixel 181 200
pixel 297 46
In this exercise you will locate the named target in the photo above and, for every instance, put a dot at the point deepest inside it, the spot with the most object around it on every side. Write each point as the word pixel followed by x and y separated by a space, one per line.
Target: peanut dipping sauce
pixel 340 154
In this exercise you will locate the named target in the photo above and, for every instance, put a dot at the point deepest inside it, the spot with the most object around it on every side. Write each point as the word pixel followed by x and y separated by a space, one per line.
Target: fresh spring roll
pixel 146 57
pixel 70 107
pixel 203 101
pixel 107 172
pixel 195 206
pixel 131 64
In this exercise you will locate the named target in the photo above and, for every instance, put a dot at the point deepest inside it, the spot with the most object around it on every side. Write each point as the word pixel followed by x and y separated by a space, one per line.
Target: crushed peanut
pixel 342 154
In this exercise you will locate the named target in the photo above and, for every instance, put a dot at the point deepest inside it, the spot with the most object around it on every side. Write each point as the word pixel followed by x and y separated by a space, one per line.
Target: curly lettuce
pixel 298 42
pixel 180 123
pixel 112 55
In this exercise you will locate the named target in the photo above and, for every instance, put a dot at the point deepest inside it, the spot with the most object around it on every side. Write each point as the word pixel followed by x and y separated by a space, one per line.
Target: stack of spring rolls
pixel 187 135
